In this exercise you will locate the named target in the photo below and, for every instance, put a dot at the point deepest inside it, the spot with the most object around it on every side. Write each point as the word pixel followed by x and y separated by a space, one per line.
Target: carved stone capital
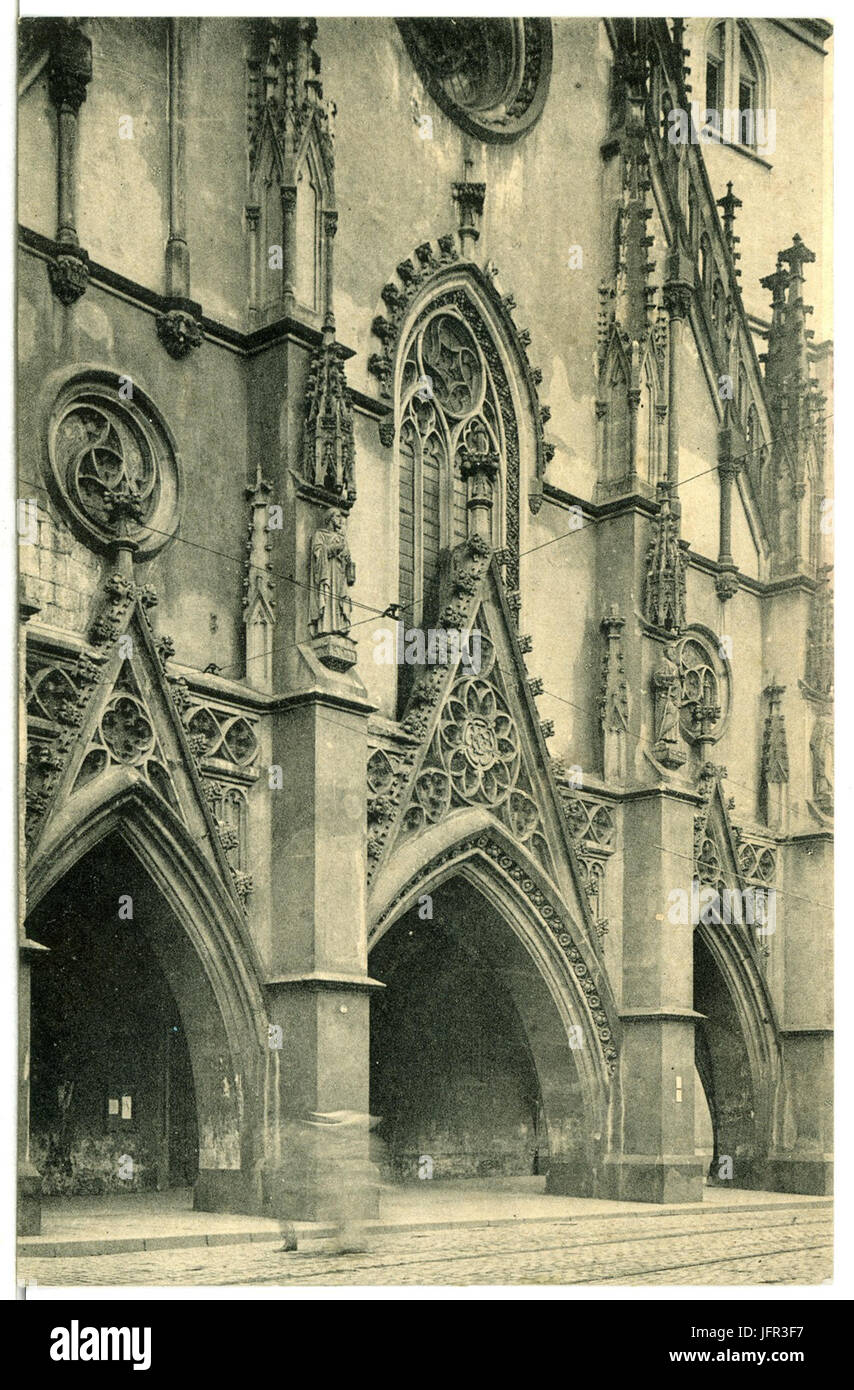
pixel 726 584
pixel 677 298
pixel 70 66
pixel 69 275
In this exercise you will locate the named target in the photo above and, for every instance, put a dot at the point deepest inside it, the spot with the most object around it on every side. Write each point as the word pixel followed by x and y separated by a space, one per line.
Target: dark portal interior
pixel 112 1097
pixel 452 1076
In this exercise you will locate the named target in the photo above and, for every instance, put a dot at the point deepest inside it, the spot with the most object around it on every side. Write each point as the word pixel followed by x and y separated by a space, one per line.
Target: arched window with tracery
pixel 450 414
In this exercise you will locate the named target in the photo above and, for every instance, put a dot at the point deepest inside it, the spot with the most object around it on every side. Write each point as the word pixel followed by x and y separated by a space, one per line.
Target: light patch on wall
pixel 92 320
pixel 26 329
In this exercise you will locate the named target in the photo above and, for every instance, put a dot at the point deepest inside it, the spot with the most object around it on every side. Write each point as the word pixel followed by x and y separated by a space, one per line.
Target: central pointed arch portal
pixel 489 1057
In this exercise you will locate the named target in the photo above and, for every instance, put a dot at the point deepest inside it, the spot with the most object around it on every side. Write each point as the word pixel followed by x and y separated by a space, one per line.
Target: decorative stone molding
pixel 757 860
pixel 114 463
pixel 551 916
pixel 819 667
pixel 707 856
pixel 469 198
pixel 290 138
pixel 664 590
pixel 224 739
pixel 329 451
pixel 705 692
pixel 412 275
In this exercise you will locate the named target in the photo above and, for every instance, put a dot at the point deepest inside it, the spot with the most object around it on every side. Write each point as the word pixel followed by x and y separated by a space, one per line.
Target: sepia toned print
pixel 425 534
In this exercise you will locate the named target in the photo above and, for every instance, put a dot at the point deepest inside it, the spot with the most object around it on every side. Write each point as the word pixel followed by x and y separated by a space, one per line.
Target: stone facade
pixel 426 590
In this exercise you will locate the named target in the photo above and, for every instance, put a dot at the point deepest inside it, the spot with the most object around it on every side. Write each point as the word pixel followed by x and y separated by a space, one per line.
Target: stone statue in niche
pixel 666 684
pixel 329 603
pixel 821 755
pixel 332 572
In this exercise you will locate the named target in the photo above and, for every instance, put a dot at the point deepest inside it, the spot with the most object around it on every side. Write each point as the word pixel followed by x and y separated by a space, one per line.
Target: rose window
pixel 114 463
pixel 489 75
pixel 479 743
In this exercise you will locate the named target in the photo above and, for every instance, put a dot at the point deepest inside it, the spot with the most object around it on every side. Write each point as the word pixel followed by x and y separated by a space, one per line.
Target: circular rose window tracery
pixel 490 75
pixel 479 743
pixel 113 462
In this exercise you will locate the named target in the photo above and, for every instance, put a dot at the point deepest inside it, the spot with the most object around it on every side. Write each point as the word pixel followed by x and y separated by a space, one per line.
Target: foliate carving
pixel 707 859
pixel 329 604
pixel 613 698
pixel 285 89
pixel 69 65
pixel 664 592
pixel 120 594
pixel 412 275
pixel 474 757
pixel 114 463
pixel 388 774
pixel 552 920
pixel 479 743
pixel 590 822
pixel 58 693
pixel 179 331
pixel 329 455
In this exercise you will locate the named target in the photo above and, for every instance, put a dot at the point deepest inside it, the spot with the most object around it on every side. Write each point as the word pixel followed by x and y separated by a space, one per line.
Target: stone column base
pixel 644 1178
pixel 571 1178
pixel 29 1201
pixel 228 1189
pixel 812 1177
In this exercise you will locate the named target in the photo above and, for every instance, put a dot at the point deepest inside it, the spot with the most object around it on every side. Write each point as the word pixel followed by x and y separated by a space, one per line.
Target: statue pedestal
pixel 335 651
pixel 670 754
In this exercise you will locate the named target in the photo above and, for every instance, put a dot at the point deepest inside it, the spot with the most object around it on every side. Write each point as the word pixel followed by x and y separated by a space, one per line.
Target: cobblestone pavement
pixel 768 1247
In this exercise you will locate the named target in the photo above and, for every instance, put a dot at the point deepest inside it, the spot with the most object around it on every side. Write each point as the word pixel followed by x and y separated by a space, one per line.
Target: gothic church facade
pixel 426 618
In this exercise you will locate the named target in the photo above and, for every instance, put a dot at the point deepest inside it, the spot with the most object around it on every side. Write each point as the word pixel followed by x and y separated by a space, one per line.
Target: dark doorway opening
pixel 112 1097
pixel 452 1076
pixel 723 1065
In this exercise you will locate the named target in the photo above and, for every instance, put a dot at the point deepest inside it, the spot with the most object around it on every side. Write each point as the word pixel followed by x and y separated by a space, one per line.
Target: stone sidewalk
pixel 133 1222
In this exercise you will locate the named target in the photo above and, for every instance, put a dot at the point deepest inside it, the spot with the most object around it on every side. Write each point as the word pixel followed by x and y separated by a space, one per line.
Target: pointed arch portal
pixel 148 1012
pixel 485 1060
